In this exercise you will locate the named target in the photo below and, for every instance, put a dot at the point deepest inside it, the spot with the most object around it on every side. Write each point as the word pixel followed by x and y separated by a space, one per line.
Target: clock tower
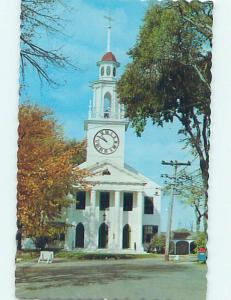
pixel 106 124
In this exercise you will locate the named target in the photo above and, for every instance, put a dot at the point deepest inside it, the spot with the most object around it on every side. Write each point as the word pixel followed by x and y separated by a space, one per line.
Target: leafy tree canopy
pixel 162 79
pixel 79 150
pixel 169 75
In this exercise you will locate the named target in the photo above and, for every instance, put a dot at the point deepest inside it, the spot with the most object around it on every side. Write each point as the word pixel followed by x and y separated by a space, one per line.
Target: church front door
pixel 126 237
pixel 79 236
pixel 103 236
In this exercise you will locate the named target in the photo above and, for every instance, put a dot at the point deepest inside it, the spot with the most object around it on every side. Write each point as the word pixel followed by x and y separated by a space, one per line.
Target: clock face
pixel 106 141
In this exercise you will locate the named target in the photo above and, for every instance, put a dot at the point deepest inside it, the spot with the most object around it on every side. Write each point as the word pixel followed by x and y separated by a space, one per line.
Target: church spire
pixel 108 33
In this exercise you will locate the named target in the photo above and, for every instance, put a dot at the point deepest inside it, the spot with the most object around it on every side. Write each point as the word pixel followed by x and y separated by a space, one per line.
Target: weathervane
pixel 108 32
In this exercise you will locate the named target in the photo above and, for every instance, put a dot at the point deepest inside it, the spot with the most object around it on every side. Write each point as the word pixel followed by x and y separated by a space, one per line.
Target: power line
pixel 174 164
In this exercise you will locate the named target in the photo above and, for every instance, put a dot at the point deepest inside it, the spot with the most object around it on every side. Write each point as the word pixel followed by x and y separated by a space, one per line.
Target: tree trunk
pixel 19 240
pixel 205 177
pixel 205 223
pixel 198 219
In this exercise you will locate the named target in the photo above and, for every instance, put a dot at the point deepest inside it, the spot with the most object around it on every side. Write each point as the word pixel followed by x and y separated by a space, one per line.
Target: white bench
pixel 47 256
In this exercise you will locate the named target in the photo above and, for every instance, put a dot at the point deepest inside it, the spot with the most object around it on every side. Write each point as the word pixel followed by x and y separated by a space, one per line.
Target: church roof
pixel 180 235
pixel 109 56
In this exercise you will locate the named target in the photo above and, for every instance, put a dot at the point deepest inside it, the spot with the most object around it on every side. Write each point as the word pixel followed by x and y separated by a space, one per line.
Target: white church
pixel 121 212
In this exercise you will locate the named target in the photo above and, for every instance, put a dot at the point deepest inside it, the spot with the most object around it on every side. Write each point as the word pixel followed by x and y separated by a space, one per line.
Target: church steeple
pixel 105 104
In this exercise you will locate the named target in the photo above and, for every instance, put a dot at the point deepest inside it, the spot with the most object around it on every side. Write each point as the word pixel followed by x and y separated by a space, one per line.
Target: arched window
pixel 102 71
pixel 114 71
pixel 182 248
pixel 79 236
pixel 103 236
pixel 126 237
pixel 108 71
pixel 192 247
pixel 107 105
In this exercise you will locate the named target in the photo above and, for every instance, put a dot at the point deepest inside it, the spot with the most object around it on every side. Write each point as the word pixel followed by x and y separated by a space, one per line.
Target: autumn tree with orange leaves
pixel 46 172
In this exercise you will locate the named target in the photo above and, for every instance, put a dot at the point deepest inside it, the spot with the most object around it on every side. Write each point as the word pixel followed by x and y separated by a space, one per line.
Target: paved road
pixel 140 279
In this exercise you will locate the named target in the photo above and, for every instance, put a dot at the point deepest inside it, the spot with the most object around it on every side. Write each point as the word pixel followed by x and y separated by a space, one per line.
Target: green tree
pixel 38 18
pixel 169 77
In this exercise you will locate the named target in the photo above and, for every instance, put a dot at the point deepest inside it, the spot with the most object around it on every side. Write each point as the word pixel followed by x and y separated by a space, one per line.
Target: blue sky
pixel 84 42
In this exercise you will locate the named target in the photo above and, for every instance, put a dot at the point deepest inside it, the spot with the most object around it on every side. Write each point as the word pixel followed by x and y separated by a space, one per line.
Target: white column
pixel 101 102
pixel 117 224
pixel 140 205
pixel 68 239
pixel 94 104
pixel 121 111
pixel 70 236
pixel 114 103
pixel 93 233
pixel 118 111
pixel 93 199
pixel 90 110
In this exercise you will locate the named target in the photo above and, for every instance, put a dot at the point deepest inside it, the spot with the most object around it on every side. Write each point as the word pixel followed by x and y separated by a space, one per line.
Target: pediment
pixel 108 172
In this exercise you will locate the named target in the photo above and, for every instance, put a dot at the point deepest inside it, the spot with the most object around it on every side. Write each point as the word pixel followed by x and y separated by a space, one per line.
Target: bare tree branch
pixel 37 15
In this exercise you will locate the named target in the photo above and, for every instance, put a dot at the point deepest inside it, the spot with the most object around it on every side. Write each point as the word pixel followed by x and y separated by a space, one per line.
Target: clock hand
pixel 102 138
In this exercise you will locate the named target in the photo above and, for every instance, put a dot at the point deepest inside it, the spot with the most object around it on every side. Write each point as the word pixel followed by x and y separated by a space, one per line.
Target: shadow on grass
pixel 44 277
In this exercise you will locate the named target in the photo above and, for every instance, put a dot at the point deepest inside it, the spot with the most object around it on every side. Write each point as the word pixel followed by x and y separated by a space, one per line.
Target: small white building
pixel 122 211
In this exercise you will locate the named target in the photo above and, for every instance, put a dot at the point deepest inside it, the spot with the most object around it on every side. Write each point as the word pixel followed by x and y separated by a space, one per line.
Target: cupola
pixel 107 66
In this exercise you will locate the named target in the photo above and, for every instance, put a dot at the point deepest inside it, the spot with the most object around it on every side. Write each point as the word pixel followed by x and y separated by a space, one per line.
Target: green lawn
pixel 27 255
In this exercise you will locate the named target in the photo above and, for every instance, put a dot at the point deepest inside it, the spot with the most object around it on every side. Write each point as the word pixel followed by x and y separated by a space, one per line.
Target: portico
pixel 112 213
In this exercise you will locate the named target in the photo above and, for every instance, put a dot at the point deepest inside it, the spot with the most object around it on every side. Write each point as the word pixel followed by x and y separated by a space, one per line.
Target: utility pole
pixel 174 164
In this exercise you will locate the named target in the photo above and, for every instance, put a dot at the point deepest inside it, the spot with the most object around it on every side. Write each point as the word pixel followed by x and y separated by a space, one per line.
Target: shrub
pixel 157 244
pixel 201 241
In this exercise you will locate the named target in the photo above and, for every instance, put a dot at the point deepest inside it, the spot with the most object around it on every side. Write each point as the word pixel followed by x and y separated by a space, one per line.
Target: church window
pixel 102 71
pixel 59 236
pixel 148 232
pixel 126 237
pixel 107 105
pixel 114 71
pixel 79 236
pixel 62 236
pixel 128 201
pixel 148 205
pixel 80 200
pixel 106 172
pixel 108 71
pixel 103 236
pixel 104 200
